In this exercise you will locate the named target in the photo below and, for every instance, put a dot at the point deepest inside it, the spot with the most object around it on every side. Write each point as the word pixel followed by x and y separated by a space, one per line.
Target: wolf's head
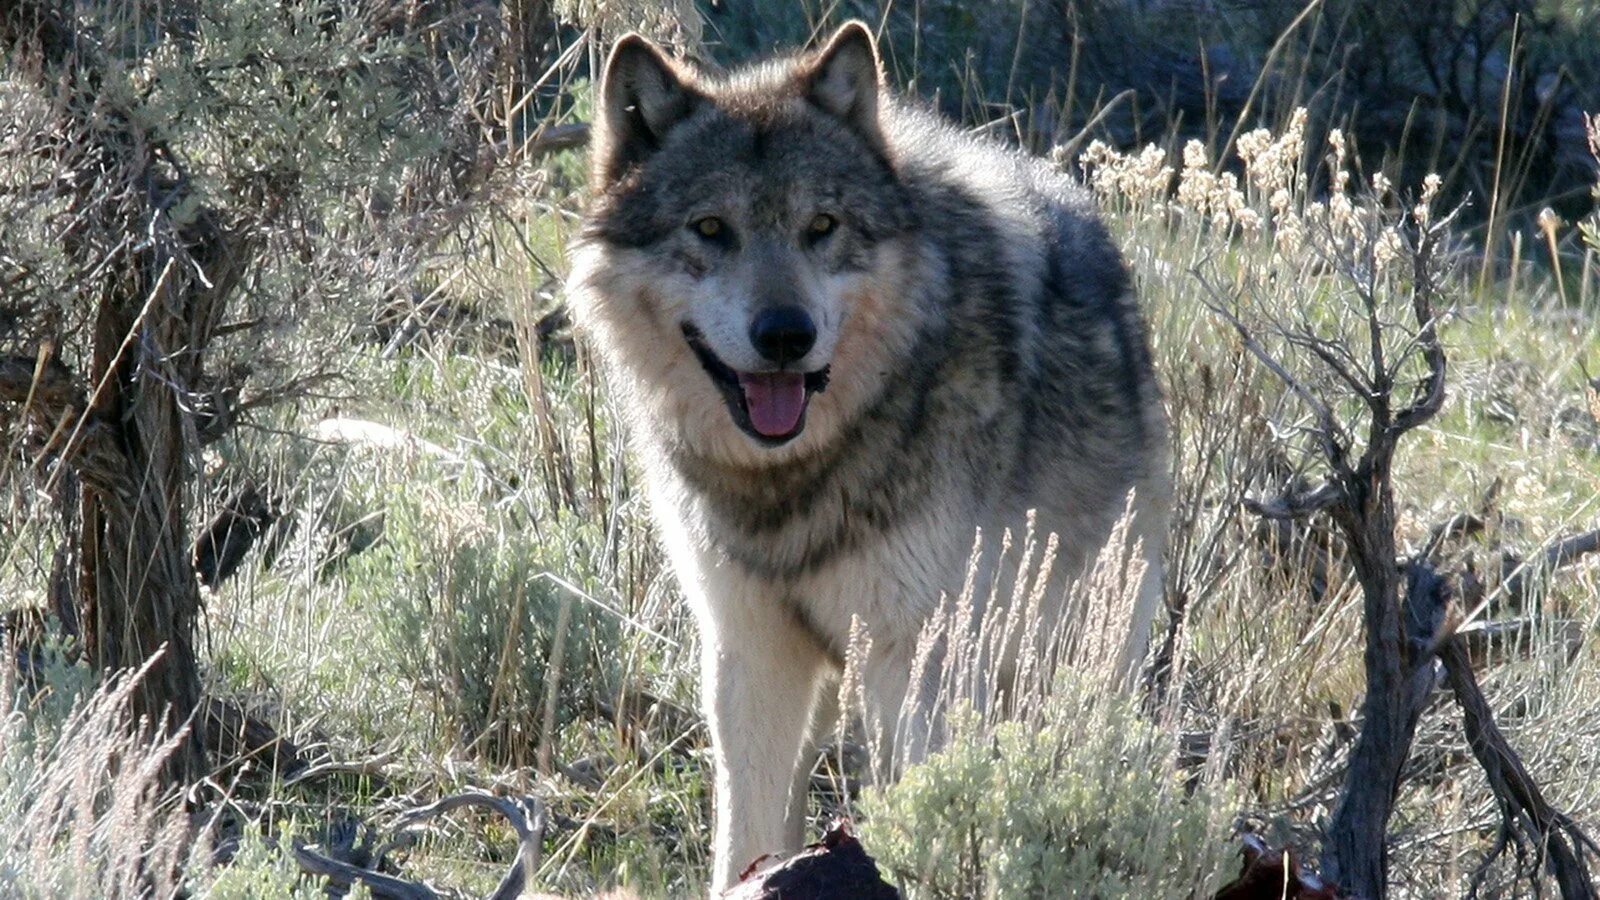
pixel 741 255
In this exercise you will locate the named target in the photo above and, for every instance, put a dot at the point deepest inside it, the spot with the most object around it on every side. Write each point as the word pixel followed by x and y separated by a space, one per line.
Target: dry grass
pixel 85 812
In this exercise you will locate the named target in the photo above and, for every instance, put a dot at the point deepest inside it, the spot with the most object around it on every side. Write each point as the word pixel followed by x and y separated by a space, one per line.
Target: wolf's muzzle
pixel 768 406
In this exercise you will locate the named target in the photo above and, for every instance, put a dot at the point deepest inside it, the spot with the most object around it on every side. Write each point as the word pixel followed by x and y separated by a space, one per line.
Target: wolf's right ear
pixel 642 95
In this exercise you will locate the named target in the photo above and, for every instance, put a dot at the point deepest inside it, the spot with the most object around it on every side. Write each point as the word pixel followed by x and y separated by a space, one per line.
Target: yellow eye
pixel 821 225
pixel 709 227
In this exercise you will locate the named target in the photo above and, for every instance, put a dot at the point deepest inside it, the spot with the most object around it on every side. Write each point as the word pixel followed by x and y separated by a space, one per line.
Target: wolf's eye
pixel 709 227
pixel 821 225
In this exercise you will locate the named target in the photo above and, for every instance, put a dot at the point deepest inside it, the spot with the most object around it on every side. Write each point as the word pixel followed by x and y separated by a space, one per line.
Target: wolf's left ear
pixel 643 94
pixel 844 80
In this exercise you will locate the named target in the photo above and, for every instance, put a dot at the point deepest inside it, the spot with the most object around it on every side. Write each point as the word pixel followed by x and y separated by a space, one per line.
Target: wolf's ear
pixel 642 95
pixel 844 80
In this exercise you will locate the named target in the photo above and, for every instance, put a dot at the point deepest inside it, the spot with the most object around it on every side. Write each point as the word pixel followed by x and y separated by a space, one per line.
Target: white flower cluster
pixel 1273 202
pixel 1143 178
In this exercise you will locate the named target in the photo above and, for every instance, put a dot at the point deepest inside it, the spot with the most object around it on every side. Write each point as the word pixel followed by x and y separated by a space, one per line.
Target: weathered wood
pixel 527 818
pixel 1524 577
pixel 345 875
pixel 221 548
pixel 1556 839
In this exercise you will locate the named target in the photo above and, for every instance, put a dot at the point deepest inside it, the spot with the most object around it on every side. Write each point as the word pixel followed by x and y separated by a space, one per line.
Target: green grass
pixel 415 611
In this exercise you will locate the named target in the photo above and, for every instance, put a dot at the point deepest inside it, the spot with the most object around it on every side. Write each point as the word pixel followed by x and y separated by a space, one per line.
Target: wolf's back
pixel 1045 355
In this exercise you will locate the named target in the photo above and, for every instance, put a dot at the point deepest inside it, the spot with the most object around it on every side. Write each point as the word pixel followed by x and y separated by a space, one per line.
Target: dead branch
pixel 556 138
pixel 373 768
pixel 526 815
pixel 345 875
pixel 1485 642
pixel 1408 622
pixel 1526 577
pixel 220 549
pixel 1526 817
pixel 1332 435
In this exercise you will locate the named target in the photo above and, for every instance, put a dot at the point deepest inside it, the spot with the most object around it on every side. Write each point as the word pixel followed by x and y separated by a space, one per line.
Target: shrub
pixel 1088 805
pixel 473 615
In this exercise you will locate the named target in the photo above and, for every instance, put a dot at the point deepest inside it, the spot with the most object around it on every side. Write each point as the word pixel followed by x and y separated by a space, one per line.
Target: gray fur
pixel 1009 368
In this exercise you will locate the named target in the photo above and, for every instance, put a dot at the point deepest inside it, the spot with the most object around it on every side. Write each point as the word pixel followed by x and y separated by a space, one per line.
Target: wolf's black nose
pixel 783 334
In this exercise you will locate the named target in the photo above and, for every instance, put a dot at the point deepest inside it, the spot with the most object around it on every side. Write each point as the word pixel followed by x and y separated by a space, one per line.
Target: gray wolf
pixel 844 336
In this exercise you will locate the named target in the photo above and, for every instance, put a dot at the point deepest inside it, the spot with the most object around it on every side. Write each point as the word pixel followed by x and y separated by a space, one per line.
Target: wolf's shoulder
pixel 1038 217
pixel 931 144
pixel 940 157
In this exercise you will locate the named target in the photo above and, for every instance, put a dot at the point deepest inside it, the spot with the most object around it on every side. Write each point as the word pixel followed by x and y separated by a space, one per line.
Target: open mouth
pixel 769 406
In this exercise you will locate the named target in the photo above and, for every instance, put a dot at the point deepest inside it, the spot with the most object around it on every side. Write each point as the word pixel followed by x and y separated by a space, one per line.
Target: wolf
pixel 844 336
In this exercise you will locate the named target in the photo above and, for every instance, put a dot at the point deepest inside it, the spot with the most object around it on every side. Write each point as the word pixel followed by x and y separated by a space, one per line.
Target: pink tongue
pixel 775 400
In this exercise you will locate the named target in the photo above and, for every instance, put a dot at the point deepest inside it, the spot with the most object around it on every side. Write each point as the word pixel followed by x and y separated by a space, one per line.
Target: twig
pixel 1332 434
pixel 371 767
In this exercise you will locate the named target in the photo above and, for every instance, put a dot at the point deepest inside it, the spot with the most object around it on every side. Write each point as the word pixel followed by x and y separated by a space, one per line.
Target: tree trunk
pixel 1355 854
pixel 138 590
pixel 130 436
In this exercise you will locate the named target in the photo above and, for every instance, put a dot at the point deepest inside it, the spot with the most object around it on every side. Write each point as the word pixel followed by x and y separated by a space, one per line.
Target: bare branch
pixel 1300 505
pixel 1560 844
pixel 1526 576
pixel 373 767
pixel 1327 351
pixel 555 138
pixel 345 875
pixel 1334 438
pixel 1430 396
pixel 526 815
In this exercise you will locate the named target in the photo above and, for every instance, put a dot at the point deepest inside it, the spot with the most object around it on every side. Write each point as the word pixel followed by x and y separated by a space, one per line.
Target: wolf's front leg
pixel 902 717
pixel 759 673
